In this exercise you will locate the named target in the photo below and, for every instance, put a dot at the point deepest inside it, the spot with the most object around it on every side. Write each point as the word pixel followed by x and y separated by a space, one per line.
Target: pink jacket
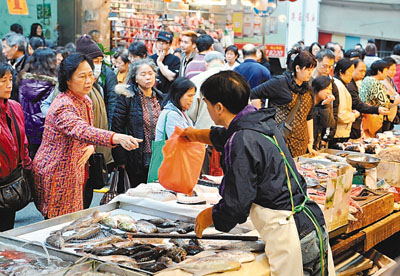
pixel 68 129
pixel 10 155
pixel 396 78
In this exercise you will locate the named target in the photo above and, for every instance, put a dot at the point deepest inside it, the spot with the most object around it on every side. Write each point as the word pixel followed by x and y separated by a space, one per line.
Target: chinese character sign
pixel 275 50
pixel 17 7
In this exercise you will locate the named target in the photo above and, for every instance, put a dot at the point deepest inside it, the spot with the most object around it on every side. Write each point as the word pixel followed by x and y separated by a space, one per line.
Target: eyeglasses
pixel 326 66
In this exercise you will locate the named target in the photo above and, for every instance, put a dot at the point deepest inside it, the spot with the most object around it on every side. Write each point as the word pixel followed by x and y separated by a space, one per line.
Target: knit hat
pixel 85 45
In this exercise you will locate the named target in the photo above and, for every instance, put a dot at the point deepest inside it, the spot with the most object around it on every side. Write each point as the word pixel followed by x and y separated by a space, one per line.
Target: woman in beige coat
pixel 346 115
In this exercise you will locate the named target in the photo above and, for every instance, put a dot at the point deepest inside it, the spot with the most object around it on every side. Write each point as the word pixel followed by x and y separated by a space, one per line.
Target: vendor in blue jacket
pixel 261 181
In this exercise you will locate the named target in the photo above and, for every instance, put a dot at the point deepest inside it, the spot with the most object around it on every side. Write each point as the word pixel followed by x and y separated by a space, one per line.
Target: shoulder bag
pixel 98 173
pixel 116 174
pixel 15 192
pixel 285 127
pixel 157 155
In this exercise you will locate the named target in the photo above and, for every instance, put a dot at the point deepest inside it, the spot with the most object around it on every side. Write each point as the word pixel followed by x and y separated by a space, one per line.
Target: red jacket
pixel 9 151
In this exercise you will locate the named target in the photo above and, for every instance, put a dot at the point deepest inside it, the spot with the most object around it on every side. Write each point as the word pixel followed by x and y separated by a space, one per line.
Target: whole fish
pixel 55 240
pixel 146 227
pixel 128 226
pixel 98 242
pixel 84 233
pixel 95 217
pixel 124 218
pixel 110 222
pixel 119 259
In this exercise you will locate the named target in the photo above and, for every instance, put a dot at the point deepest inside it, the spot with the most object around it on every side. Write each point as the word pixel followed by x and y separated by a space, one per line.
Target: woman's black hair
pixel 17 28
pixel 229 88
pixel 4 68
pixel 352 53
pixel 34 30
pixel 124 55
pixel 396 49
pixel 138 49
pixel 178 88
pixel 377 66
pixel 303 59
pixel 62 51
pixel 315 44
pixel 36 42
pixel 233 49
pixel 42 62
pixel 320 83
pixel 390 61
pixel 68 67
pixel 264 57
pixel 342 65
pixel 356 62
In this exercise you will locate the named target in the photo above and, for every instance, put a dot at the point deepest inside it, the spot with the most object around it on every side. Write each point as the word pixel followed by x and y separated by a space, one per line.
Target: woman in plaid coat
pixel 60 165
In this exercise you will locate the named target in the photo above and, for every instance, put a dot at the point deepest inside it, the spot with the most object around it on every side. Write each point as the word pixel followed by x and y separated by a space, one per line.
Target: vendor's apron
pixel 282 243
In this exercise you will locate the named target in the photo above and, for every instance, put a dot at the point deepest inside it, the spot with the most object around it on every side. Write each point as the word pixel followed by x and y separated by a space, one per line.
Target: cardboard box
pixel 336 207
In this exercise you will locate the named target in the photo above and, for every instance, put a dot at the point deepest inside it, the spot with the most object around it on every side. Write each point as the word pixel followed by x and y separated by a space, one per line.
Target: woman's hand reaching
pixel 126 141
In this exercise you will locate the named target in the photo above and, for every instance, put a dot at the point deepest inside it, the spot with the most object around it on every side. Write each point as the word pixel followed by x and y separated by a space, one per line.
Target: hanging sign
pixel 237 22
pixel 275 50
pixel 17 7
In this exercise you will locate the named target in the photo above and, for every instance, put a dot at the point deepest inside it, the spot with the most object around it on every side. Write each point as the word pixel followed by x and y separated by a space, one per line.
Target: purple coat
pixel 33 90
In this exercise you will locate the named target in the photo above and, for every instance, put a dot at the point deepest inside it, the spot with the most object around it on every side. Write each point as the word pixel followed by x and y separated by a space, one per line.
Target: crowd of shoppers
pixel 72 99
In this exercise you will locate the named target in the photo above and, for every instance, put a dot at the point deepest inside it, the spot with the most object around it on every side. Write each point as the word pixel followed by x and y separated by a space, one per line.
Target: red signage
pixel 275 50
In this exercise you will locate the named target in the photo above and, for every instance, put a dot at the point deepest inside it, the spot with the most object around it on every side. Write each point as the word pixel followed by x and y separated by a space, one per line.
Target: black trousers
pixel 7 219
pixel 87 195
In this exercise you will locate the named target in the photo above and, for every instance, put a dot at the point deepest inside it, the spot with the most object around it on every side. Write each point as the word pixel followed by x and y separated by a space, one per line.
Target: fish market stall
pixel 144 240
pixel 18 257
pixel 372 216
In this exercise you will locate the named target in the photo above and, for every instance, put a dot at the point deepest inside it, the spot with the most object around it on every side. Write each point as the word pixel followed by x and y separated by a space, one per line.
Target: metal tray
pixel 43 225
pixel 40 230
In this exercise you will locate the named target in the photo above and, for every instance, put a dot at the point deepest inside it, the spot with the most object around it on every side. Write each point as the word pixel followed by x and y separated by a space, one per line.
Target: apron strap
pixel 301 207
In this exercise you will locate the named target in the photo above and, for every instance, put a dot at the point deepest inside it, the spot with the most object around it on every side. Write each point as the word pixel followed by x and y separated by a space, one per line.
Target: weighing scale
pixel 362 163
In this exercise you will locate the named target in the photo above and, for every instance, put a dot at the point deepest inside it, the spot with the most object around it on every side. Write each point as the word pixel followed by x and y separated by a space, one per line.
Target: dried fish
pixel 146 227
pixel 240 255
pixel 208 265
pixel 55 240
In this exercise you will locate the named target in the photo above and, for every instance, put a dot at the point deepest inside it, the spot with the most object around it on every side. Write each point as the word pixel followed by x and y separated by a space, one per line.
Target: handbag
pixel 98 173
pixel 157 155
pixel 116 173
pixel 387 124
pixel 15 191
pixel 285 127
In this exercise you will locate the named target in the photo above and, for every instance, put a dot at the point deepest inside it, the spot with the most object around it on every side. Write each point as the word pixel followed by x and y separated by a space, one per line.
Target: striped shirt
pixel 196 66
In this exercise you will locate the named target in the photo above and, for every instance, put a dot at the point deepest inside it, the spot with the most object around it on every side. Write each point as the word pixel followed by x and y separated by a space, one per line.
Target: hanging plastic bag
pixel 181 167
pixel 215 166
pixel 157 155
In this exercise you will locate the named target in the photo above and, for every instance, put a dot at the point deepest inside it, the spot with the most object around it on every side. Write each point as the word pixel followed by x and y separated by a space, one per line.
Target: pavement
pixel 30 214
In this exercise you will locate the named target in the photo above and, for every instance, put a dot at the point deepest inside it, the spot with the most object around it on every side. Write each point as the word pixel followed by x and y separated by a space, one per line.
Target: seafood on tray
pixel 99 227
pixel 315 172
pixel 17 261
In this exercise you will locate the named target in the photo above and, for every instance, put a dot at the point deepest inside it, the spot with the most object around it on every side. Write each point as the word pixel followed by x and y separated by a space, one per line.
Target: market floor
pixel 30 214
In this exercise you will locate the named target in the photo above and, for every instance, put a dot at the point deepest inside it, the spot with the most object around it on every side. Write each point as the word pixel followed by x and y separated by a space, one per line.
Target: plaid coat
pixel 68 129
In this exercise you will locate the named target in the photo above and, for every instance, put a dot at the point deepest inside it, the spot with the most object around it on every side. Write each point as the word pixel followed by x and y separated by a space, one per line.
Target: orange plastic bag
pixel 181 166
pixel 371 123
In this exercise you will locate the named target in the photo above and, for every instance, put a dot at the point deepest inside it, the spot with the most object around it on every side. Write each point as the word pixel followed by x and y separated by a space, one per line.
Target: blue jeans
pixel 310 251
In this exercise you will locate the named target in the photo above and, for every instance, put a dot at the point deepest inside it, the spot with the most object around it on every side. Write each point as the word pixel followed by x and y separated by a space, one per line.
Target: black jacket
pixel 108 81
pixel 254 171
pixel 128 119
pixel 323 118
pixel 18 66
pixel 361 107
